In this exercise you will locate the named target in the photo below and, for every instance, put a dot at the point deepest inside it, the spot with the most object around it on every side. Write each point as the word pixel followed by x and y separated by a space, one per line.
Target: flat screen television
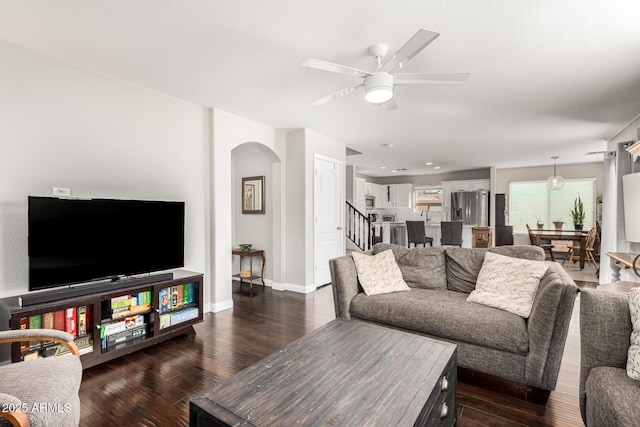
pixel 81 240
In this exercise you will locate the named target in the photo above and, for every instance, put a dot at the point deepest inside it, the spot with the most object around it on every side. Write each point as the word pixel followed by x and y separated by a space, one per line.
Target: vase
pixel 578 226
pixel 558 224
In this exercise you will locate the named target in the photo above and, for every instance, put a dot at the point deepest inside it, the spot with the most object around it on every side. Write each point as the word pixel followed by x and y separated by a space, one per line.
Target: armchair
pixel 41 392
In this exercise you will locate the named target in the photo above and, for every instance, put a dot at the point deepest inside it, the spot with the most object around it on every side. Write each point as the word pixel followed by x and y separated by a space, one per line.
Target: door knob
pixel 339 228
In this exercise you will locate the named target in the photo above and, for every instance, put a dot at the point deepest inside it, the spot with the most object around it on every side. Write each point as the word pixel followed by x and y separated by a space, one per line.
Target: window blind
pixel 530 201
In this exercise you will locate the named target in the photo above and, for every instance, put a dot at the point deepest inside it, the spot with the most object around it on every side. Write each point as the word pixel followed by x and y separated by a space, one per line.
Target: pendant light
pixel 555 182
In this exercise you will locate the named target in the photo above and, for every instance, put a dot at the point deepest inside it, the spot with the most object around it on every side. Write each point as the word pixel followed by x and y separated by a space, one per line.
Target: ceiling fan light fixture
pixel 379 87
pixel 555 182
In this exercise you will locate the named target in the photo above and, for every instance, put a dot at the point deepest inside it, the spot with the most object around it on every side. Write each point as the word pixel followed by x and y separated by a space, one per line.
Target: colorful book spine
pixel 24 324
pixel 70 319
pixel 58 320
pixel 47 320
pixel 180 295
pixel 82 320
pixel 35 322
pixel 174 297
pixel 164 300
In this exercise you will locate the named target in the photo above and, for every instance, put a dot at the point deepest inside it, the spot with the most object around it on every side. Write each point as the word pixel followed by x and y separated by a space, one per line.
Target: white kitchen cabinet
pixel 378 194
pixel 403 195
pixel 397 196
pixel 368 188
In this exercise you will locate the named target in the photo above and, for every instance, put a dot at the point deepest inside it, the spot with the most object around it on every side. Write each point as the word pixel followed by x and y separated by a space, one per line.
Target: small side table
pixel 250 253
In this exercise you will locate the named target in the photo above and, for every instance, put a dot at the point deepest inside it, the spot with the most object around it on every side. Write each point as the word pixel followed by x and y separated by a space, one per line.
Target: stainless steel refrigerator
pixel 470 207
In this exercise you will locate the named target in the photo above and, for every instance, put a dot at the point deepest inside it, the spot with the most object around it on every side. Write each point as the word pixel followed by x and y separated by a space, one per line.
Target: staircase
pixel 358 228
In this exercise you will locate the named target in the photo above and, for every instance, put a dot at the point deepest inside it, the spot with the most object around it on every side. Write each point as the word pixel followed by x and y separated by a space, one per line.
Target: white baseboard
pixel 219 306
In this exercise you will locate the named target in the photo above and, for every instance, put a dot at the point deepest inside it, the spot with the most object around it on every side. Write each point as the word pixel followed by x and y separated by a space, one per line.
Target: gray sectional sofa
pixel 608 397
pixel 489 340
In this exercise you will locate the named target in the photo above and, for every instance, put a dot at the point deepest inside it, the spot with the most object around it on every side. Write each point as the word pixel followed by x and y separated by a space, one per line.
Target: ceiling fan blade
pixel 319 64
pixel 413 79
pixel 338 94
pixel 410 49
pixel 390 105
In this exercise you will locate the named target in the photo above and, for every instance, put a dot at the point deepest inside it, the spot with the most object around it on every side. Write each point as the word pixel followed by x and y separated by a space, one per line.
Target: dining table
pixel 579 236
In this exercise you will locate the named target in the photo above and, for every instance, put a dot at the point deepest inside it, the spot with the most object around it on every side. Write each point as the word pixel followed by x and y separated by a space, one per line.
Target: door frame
pixel 340 203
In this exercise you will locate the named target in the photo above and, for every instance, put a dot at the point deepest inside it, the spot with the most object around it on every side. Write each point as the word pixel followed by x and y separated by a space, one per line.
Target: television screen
pixel 80 240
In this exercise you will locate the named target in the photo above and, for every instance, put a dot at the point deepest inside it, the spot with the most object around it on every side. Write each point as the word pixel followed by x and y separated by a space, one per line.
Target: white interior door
pixel 328 218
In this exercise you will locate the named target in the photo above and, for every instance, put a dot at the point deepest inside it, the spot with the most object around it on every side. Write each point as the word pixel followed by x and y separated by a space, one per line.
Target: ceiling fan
pixel 379 83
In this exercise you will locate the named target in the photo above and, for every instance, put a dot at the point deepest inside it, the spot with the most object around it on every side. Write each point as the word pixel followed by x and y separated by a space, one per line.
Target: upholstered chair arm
pixel 60 337
pixel 548 325
pixel 12 410
pixel 605 332
pixel 344 280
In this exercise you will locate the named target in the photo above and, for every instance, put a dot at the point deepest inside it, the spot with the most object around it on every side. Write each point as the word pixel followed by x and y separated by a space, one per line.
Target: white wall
pixel 579 170
pixel 302 144
pixel 251 160
pixel 228 131
pixel 63 126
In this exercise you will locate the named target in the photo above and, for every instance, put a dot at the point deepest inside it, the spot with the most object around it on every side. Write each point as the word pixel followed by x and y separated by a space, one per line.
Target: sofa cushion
pixel 379 274
pixel 445 314
pixel 508 283
pixel 421 267
pixel 463 264
pixel 612 398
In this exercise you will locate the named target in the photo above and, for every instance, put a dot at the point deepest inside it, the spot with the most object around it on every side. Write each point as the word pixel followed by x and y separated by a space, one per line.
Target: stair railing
pixel 358 228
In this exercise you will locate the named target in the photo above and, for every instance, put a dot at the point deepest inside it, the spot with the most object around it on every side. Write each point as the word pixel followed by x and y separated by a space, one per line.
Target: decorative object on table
pixel 245 246
pixel 558 224
pixel 253 195
pixel 245 274
pixel 555 182
pixel 539 224
pixel 577 213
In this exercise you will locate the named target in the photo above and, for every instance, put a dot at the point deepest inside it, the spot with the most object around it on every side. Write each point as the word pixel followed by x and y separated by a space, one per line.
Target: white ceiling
pixel 548 77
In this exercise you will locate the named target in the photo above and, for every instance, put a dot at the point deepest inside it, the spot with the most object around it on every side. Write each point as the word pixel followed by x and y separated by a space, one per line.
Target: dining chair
pixel 451 233
pixel 416 234
pixel 574 251
pixel 535 242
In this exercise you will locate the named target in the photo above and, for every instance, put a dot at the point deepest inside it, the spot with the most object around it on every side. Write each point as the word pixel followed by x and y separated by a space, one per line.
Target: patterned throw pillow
pixel 379 274
pixel 633 355
pixel 508 283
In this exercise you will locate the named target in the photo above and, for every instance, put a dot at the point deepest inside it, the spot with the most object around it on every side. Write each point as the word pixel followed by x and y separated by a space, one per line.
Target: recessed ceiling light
pixel 429 163
pixel 436 167
pixel 394 171
pixel 388 145
pixel 383 167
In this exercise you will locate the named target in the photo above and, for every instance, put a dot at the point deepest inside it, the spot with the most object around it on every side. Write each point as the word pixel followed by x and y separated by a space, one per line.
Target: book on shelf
pixel 70 321
pixel 58 320
pixel 82 320
pixel 47 320
pixel 24 324
pixel 165 320
pixel 164 300
pixel 110 341
pixel 35 322
pixel 125 323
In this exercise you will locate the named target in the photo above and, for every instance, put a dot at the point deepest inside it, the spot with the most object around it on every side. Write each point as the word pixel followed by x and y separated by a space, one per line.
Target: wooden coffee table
pixel 347 373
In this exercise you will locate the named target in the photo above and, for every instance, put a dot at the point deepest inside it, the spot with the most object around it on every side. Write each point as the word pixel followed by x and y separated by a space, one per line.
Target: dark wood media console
pixel 111 323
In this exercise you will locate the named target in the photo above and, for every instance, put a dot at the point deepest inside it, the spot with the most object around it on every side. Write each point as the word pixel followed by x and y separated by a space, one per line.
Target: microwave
pixel 369 202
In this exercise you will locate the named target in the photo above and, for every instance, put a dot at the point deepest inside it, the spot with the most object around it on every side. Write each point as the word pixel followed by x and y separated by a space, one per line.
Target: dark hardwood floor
pixel 153 387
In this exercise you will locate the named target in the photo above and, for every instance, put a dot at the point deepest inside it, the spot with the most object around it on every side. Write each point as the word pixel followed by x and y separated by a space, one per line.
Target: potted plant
pixel 577 213
pixel 538 223
pixel 558 224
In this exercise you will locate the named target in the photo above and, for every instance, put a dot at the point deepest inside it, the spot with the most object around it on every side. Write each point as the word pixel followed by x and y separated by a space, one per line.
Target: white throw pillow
pixel 633 355
pixel 508 283
pixel 379 274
